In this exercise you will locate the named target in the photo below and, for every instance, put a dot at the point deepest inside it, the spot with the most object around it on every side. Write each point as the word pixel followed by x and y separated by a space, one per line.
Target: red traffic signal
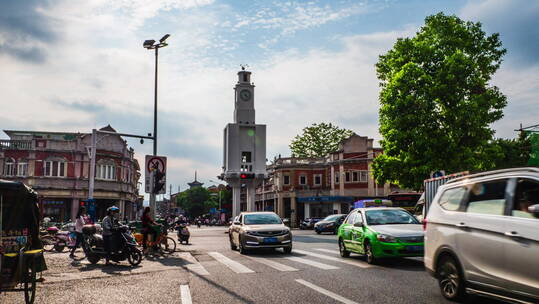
pixel 247 176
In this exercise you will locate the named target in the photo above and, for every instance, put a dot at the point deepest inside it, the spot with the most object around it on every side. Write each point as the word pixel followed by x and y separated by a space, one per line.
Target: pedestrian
pixel 80 221
pixel 108 225
pixel 147 228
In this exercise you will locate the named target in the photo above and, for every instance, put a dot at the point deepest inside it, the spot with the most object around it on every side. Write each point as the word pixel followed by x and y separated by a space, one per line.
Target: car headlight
pixel 251 233
pixel 386 238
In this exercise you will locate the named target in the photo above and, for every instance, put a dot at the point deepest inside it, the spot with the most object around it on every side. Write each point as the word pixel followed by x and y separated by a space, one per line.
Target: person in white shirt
pixel 79 223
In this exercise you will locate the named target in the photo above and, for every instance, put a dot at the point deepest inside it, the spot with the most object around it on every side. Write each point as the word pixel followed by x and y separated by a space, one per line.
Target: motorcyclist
pixel 109 223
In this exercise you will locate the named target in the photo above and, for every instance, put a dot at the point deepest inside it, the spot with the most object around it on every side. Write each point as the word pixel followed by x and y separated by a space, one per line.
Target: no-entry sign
pixel 156 167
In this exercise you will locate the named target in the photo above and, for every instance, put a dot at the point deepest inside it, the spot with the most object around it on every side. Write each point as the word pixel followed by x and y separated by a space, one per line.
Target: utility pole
pixel 150 45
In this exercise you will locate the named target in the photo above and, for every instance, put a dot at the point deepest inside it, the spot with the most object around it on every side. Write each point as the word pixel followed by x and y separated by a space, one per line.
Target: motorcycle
pixel 124 245
pixel 183 234
pixel 58 240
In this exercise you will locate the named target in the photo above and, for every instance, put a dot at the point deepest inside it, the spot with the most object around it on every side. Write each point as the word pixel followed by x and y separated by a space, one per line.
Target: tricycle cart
pixel 21 251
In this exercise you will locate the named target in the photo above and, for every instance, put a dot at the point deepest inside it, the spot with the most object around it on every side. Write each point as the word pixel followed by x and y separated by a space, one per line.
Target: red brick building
pixel 56 165
pixel 299 188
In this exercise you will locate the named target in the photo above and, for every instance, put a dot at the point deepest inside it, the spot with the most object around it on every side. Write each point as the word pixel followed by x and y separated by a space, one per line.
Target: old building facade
pixel 57 165
pixel 299 188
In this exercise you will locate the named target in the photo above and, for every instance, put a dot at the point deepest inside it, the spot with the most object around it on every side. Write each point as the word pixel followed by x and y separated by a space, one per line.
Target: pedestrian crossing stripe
pixel 233 265
pixel 194 265
pixel 353 262
pixel 272 264
pixel 312 263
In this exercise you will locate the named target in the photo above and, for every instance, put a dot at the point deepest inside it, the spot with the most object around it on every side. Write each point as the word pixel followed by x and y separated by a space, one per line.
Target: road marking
pixel 326 292
pixel 312 263
pixel 185 294
pixel 233 265
pixel 357 263
pixel 194 265
pixel 328 250
pixel 273 264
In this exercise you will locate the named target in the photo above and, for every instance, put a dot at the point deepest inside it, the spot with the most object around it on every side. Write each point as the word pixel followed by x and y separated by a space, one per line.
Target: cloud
pixel 284 19
pixel 25 32
pixel 518 77
pixel 515 20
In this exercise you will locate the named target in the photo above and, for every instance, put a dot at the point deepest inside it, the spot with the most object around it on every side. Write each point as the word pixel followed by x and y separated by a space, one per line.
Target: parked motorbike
pixel 57 240
pixel 124 245
pixel 183 234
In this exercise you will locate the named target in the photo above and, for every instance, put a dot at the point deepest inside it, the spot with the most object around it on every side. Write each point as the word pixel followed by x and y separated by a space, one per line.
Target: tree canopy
pixel 318 140
pixel 436 103
pixel 196 201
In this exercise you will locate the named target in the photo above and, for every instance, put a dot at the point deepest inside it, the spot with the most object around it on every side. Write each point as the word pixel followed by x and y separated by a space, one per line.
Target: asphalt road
pixel 208 271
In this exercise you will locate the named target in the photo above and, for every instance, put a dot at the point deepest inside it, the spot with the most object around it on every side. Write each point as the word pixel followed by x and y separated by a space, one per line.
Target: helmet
pixel 113 209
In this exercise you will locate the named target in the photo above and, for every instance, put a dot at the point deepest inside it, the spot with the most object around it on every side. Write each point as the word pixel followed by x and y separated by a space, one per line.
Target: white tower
pixel 244 150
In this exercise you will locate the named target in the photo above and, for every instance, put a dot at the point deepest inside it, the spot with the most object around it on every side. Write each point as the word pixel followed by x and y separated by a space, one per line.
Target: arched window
pixel 55 167
pixel 22 167
pixel 9 167
pixel 106 169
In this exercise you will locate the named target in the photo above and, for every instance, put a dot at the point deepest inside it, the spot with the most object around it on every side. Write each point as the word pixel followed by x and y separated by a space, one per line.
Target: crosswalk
pixel 248 265
pixel 240 264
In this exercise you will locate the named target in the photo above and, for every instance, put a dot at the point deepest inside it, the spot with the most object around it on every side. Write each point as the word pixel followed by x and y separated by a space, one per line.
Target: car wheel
pixel 318 231
pixel 232 246
pixel 241 247
pixel 287 250
pixel 336 231
pixel 369 255
pixel 450 279
pixel 344 253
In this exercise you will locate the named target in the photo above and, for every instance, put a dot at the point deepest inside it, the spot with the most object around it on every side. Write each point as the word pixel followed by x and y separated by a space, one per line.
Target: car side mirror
pixel 534 209
pixel 358 224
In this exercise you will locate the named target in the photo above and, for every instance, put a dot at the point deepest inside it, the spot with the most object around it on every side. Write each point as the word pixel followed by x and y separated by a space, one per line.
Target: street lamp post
pixel 151 45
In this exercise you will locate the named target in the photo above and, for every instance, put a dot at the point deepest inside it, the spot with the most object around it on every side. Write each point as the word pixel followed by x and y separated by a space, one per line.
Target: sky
pixel 74 65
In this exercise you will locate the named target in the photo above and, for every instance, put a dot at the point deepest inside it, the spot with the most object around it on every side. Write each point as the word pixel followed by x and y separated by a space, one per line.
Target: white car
pixel 482 236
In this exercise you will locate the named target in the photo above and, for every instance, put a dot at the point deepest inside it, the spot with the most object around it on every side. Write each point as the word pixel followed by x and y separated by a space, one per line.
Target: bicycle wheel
pixel 167 244
pixel 48 242
pixel 30 283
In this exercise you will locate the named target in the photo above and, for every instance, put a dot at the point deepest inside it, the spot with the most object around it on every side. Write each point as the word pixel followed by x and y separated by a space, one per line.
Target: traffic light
pixel 247 176
pixel 158 182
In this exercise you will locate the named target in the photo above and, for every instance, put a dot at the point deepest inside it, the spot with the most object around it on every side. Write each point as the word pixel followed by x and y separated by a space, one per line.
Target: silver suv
pixel 482 236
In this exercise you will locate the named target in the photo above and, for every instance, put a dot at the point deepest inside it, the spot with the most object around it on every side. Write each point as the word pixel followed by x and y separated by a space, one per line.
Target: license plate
pixel 270 240
pixel 414 248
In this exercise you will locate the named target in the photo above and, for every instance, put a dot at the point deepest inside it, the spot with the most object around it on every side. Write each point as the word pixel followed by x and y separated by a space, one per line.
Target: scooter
pixel 58 240
pixel 183 234
pixel 124 245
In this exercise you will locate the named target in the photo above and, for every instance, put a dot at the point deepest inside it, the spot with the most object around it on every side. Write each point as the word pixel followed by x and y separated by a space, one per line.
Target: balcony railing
pixel 7 144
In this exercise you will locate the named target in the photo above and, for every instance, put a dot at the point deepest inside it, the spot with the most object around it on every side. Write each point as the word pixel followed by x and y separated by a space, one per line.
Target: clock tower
pixel 244 146
pixel 244 101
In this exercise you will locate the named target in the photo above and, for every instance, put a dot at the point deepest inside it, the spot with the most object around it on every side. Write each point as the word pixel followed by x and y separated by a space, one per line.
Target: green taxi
pixel 380 232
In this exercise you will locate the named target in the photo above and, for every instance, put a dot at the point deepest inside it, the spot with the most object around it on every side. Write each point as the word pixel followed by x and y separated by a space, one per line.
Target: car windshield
pixel 332 218
pixel 258 219
pixel 389 217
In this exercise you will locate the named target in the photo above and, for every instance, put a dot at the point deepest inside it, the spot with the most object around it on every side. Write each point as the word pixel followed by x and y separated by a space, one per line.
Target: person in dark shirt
pixel 147 222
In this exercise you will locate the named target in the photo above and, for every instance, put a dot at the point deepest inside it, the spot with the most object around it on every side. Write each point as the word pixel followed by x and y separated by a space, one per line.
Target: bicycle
pixel 163 241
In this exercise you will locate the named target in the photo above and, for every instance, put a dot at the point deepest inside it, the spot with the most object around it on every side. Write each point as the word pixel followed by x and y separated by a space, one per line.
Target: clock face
pixel 245 95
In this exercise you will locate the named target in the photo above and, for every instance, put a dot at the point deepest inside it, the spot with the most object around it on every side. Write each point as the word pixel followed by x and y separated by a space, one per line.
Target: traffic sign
pixel 156 174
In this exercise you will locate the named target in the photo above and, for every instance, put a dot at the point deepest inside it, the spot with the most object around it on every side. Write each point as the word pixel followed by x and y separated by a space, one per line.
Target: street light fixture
pixel 151 45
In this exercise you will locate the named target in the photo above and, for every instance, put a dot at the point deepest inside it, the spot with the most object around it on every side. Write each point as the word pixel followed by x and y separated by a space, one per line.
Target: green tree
pixel 516 152
pixel 193 201
pixel 436 104
pixel 318 140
